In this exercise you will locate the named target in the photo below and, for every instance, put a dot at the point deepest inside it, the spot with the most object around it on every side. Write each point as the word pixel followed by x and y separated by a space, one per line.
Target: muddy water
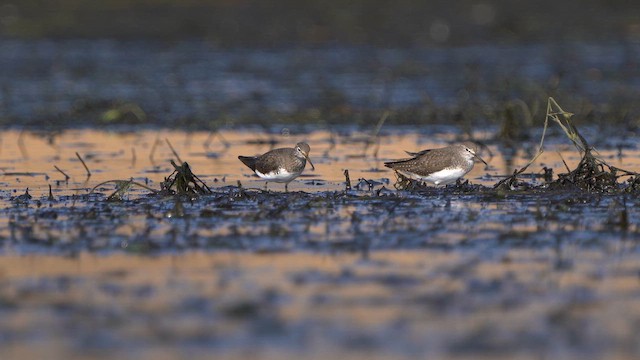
pixel 316 273
pixel 397 304
pixel 28 159
pixel 79 81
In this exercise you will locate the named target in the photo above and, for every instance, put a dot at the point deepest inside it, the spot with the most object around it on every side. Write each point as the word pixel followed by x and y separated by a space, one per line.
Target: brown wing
pixel 274 159
pixel 426 163
pixel 267 160
pixel 409 165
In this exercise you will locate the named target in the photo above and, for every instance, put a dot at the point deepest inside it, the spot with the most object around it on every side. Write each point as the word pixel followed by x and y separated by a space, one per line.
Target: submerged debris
pixel 86 168
pixel 367 184
pixel 405 183
pixel 633 184
pixel 22 199
pixel 347 180
pixel 122 186
pixel 591 175
pixel 183 181
pixel 461 186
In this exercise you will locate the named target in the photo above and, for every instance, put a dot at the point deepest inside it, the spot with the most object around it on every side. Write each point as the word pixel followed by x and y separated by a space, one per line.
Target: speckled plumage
pixel 440 166
pixel 280 165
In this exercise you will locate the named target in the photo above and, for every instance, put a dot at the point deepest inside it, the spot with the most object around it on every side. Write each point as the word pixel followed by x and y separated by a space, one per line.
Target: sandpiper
pixel 280 165
pixel 438 166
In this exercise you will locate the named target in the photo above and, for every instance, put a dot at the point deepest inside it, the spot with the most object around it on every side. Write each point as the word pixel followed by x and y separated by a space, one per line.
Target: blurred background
pixel 254 23
pixel 95 267
pixel 224 63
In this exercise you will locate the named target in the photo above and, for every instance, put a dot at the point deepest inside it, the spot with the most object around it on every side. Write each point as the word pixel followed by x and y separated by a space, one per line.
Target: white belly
pixel 280 176
pixel 442 177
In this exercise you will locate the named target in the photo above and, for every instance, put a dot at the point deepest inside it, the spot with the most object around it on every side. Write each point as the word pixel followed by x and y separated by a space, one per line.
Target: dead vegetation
pixel 592 174
pixel 182 181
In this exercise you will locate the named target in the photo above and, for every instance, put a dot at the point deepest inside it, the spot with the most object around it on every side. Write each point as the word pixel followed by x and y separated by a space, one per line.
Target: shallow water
pixel 27 159
pixel 512 303
pixel 318 272
pixel 192 84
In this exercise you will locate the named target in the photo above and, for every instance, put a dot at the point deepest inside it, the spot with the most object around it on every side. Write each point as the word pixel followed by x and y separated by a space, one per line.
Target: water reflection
pixel 319 273
pixel 397 304
pixel 83 80
pixel 28 159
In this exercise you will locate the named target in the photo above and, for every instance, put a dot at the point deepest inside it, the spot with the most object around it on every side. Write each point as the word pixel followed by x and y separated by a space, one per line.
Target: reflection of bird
pixel 280 165
pixel 438 166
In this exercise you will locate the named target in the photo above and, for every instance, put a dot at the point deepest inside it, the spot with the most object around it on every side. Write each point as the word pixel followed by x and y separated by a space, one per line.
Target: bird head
pixel 303 149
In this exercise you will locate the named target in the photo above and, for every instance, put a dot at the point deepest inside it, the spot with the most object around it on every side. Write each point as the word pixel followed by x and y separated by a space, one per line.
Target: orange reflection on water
pixel 431 296
pixel 28 159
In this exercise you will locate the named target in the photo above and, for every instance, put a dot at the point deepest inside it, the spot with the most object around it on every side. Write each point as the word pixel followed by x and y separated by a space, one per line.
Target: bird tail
pixel 250 161
pixel 394 164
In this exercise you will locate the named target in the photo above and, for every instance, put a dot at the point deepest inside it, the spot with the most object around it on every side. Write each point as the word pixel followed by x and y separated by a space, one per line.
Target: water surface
pixel 319 272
